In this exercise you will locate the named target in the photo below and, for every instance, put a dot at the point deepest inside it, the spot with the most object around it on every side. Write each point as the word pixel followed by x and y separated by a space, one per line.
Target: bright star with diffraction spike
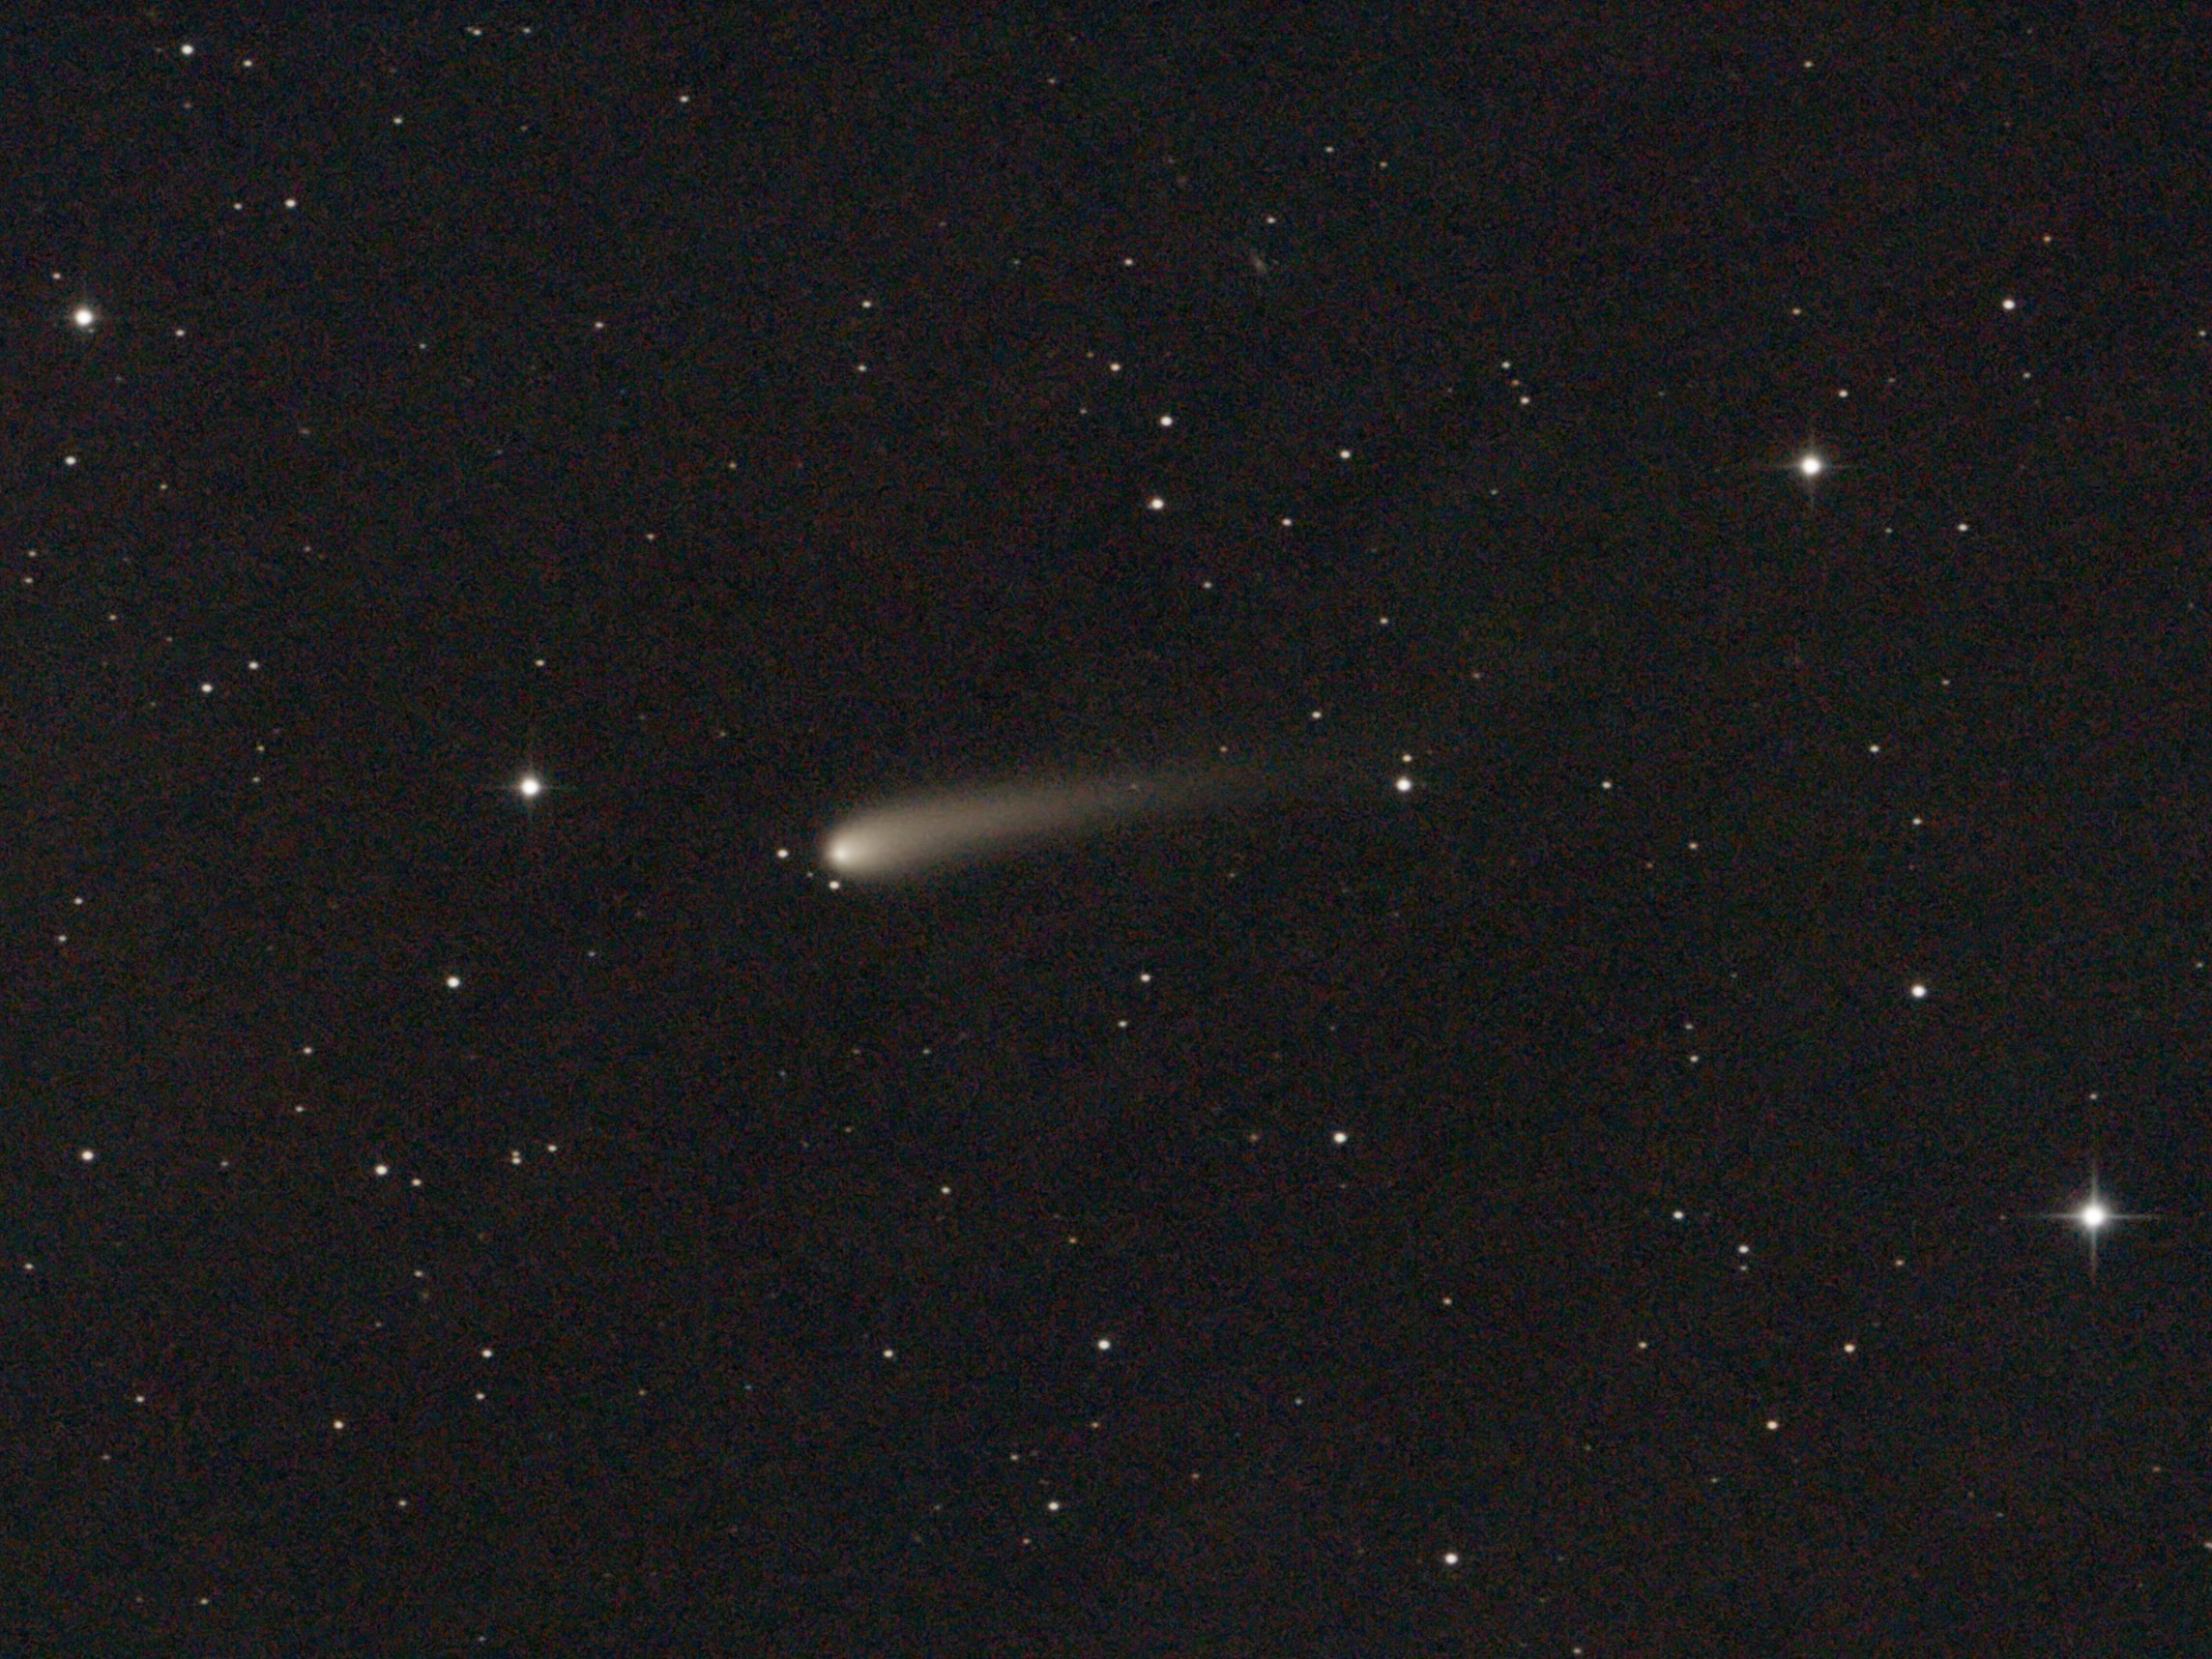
pixel 2092 1216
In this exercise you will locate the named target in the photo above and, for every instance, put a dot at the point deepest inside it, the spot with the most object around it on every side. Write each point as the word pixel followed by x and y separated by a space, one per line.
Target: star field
pixel 1165 833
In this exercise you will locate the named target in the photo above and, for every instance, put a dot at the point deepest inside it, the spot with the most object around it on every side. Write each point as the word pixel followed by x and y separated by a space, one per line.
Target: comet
pixel 1315 767
pixel 926 834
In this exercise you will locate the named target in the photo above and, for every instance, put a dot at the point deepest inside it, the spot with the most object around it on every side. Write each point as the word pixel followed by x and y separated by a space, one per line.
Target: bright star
pixel 528 785
pixel 2092 1216
pixel 1810 466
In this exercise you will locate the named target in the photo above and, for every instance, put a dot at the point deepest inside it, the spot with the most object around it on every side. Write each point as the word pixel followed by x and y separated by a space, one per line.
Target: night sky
pixel 1175 830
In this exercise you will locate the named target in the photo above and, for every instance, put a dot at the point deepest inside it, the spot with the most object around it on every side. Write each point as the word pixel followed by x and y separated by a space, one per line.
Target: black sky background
pixel 1527 1213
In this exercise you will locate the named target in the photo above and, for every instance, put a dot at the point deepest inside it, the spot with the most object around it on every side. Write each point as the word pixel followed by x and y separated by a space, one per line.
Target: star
pixel 1810 465
pixel 2092 1216
pixel 530 785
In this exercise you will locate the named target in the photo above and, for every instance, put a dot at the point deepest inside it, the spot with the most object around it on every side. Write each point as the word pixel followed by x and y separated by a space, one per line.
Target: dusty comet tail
pixel 933 833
